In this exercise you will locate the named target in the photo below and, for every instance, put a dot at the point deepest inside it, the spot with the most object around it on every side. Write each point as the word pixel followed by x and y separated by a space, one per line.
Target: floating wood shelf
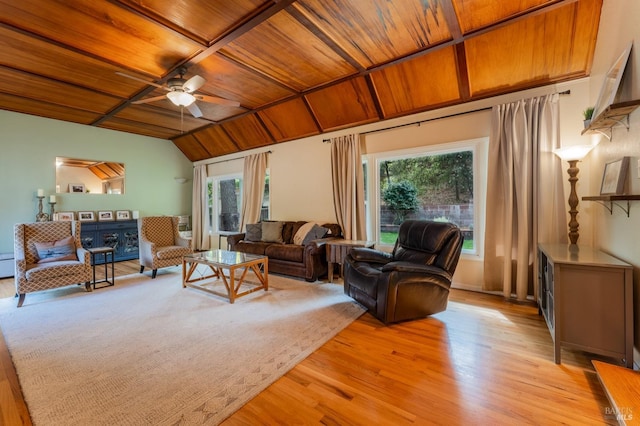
pixel 613 200
pixel 614 115
pixel 621 386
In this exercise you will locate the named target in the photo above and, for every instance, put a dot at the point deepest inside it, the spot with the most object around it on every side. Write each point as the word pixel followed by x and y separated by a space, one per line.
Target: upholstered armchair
pixel 49 255
pixel 160 244
pixel 411 282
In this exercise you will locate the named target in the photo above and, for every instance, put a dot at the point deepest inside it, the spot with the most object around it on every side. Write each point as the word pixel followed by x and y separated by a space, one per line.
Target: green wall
pixel 29 146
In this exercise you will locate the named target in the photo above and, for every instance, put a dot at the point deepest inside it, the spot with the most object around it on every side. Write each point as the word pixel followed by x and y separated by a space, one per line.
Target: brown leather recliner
pixel 411 282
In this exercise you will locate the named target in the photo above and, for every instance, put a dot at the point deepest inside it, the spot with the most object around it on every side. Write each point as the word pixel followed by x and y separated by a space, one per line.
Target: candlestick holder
pixel 41 216
pixel 53 206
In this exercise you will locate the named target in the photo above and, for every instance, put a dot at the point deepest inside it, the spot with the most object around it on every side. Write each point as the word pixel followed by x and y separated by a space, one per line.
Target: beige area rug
pixel 148 352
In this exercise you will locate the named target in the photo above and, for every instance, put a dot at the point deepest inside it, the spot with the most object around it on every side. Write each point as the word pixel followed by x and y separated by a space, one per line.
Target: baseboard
pixel 7 265
pixel 467 287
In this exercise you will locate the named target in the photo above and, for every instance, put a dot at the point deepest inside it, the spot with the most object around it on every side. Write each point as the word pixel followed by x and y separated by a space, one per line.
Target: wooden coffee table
pixel 216 262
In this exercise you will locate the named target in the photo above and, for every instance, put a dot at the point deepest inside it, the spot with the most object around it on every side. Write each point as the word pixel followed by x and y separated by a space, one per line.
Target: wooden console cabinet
pixel 586 298
pixel 122 236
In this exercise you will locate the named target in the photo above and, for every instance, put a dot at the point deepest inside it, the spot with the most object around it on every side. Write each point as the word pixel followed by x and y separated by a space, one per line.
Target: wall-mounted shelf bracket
pixel 603 132
pixel 615 115
pixel 608 201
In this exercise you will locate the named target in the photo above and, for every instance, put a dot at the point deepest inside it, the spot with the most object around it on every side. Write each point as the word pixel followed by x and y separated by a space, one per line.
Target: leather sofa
pixel 411 282
pixel 308 260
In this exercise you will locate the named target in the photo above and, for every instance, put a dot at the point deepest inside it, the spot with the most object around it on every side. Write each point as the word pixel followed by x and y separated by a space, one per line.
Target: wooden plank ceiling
pixel 296 68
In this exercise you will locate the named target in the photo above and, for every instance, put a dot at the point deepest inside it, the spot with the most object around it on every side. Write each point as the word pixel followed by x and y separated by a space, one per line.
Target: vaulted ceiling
pixel 295 68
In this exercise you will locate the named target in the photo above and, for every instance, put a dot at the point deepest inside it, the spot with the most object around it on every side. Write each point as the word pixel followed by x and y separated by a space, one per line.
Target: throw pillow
pixel 272 232
pixel 54 251
pixel 253 232
pixel 316 232
pixel 302 232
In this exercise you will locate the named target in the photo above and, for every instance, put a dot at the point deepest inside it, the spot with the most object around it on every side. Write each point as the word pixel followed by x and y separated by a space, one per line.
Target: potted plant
pixel 588 113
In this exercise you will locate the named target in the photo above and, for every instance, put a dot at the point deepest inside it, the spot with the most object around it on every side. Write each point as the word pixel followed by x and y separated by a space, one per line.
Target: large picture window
pixel 438 183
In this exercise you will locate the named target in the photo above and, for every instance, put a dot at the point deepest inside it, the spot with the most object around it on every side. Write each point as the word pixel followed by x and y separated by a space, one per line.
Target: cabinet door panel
pixel 121 236
pixel 591 300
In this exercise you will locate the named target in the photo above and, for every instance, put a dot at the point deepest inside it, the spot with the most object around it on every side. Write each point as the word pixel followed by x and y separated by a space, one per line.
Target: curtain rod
pixel 237 158
pixel 566 92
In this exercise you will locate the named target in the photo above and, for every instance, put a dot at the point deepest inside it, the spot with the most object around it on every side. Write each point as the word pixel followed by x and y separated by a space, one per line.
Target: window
pixel 225 200
pixel 438 183
pixel 224 195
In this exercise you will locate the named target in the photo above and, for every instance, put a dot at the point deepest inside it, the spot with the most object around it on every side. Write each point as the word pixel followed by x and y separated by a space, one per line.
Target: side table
pixel 338 249
pixel 224 234
pixel 104 251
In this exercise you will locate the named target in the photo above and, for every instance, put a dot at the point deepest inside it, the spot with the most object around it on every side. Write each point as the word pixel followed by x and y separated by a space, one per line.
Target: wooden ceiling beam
pixel 460 52
pixel 457 41
pixel 452 20
pixel 374 96
pixel 261 15
pixel 295 13
pixel 151 16
pixel 529 13
pixel 460 56
pixel 205 43
pixel 464 85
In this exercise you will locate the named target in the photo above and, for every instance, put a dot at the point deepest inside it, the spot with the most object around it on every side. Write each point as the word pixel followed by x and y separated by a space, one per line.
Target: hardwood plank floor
pixel 483 361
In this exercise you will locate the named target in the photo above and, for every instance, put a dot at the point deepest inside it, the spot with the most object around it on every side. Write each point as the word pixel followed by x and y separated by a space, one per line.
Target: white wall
pixel 301 169
pixel 67 176
pixel 614 232
pixel 29 146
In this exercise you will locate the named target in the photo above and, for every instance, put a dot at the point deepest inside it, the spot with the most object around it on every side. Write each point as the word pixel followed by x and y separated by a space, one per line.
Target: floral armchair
pixel 49 255
pixel 160 243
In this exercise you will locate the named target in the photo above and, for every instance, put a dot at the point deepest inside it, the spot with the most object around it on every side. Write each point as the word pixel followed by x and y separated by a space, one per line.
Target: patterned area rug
pixel 150 352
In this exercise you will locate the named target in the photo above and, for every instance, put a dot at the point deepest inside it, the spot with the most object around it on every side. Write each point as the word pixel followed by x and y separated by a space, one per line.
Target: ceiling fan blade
pixel 194 110
pixel 217 100
pixel 193 84
pixel 146 101
pixel 151 83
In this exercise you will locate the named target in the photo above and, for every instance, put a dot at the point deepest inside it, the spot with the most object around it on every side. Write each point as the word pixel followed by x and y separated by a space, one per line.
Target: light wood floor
pixel 483 361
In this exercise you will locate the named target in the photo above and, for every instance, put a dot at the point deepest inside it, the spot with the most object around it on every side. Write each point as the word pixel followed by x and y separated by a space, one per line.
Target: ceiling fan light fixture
pixel 181 98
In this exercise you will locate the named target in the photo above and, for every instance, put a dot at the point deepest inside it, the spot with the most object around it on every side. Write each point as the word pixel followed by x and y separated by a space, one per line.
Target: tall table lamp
pixel 573 154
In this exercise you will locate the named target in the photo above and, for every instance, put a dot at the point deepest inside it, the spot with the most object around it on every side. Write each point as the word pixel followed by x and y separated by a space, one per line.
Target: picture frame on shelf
pixel 105 216
pixel 123 215
pixel 614 177
pixel 76 188
pixel 86 217
pixel 611 83
pixel 64 216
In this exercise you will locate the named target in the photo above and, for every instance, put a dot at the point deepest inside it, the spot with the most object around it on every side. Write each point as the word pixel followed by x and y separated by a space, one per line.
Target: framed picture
pixel 614 177
pixel 123 215
pixel 65 216
pixel 611 83
pixel 105 215
pixel 76 187
pixel 86 216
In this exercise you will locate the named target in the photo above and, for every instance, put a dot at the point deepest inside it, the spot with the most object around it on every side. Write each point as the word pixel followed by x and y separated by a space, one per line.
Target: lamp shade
pixel 180 98
pixel 574 152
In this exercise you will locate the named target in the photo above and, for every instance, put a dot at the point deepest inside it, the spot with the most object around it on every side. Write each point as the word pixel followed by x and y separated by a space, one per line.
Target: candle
pixel 52 199
pixel 40 192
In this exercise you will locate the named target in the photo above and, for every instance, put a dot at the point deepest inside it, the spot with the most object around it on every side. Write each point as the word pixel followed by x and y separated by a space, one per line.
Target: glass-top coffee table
pixel 213 279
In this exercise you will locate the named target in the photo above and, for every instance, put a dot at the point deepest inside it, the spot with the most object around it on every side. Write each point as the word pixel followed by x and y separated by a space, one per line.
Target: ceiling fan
pixel 182 92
